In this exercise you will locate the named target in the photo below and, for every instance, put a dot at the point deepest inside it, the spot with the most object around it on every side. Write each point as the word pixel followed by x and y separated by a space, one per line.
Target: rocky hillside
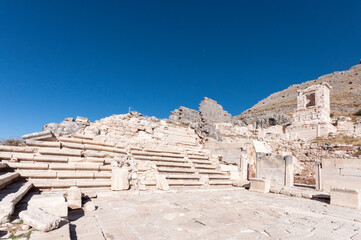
pixel 345 95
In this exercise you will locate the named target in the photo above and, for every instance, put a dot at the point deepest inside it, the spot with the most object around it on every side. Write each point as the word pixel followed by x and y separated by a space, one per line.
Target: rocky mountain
pixel 345 95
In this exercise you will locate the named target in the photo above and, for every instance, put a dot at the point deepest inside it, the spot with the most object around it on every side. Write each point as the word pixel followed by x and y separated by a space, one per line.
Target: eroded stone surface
pixel 216 214
pixel 39 219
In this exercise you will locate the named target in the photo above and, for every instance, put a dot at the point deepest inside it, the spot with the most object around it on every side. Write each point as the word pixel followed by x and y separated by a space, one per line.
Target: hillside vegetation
pixel 345 95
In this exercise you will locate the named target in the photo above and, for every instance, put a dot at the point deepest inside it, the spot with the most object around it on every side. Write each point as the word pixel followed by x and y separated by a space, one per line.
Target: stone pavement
pixel 213 214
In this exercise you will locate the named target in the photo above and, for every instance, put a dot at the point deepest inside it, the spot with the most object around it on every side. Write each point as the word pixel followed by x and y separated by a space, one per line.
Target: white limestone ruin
pixel 205 148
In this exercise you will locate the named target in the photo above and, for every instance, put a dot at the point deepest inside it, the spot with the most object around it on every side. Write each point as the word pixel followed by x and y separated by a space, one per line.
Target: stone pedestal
pixel 289 171
pixel 120 179
pixel 260 185
pixel 74 198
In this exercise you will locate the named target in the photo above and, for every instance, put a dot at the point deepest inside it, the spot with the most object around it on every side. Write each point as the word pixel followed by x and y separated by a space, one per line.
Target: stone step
pixel 7 178
pixel 184 183
pixel 80 136
pixel 66 183
pixel 42 143
pixel 159 154
pixel 60 152
pixel 23 165
pixel 155 151
pixel 157 158
pixel 210 171
pixel 184 176
pixel 52 174
pixel 175 170
pixel 78 166
pixel 198 157
pixel 171 164
pixel 87 159
pixel 10 196
pixel 220 183
pixel 17 149
pixel 44 135
pixel 202 162
pixel 211 176
pixel 205 167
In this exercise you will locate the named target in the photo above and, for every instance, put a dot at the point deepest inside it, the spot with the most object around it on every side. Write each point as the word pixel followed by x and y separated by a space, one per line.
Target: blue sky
pixel 63 59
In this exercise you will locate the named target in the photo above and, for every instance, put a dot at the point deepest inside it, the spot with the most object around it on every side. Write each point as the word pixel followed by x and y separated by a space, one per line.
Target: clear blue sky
pixel 62 59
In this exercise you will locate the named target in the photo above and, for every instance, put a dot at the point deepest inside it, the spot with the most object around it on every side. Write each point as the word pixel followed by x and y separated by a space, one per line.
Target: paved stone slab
pixel 215 214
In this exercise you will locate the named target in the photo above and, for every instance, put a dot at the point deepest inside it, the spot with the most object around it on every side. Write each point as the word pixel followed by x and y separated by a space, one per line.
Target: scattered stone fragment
pixel 53 203
pixel 162 183
pixel 74 198
pixel 39 219
pixel 89 206
pixel 25 227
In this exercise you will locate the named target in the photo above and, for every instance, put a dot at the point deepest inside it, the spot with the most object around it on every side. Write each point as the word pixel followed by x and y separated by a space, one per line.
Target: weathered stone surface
pixel 346 197
pixel 40 219
pixel 67 127
pixel 89 206
pixel 212 112
pixel 120 179
pixel 53 203
pixel 74 198
pixel 185 115
pixel 162 183
pixel 262 120
pixel 260 185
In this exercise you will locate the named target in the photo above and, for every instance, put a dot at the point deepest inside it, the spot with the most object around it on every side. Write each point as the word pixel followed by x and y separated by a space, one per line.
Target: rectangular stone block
pixel 42 143
pixel 5 155
pixel 28 165
pixel 44 135
pixel 72 145
pixel 37 173
pixel 17 149
pixel 260 185
pixel 24 156
pixel 93 183
pixel 74 198
pixel 53 203
pixel 42 158
pixel 61 152
pixel 346 197
pixel 92 147
pixel 75 174
pixel 63 183
pixel 72 140
pixel 60 166
pixel 83 136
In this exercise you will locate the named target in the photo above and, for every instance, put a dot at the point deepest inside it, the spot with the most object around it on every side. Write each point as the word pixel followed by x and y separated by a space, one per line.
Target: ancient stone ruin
pixel 72 162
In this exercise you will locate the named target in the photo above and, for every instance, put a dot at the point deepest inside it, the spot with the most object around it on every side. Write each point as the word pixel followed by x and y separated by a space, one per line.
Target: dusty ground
pixel 213 214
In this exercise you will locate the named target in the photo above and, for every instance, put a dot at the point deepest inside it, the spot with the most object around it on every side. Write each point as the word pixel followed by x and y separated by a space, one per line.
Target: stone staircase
pixel 52 165
pixel 12 190
pixel 182 169
pixel 75 161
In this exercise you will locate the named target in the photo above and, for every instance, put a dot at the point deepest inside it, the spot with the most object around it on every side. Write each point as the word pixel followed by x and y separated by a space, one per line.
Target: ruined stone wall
pixel 131 130
pixel 185 115
pixel 212 112
pixel 340 173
